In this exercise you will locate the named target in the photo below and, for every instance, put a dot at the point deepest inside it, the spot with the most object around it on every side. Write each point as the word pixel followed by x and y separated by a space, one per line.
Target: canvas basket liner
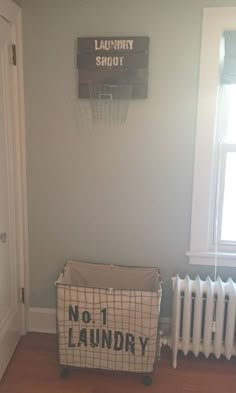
pixel 107 316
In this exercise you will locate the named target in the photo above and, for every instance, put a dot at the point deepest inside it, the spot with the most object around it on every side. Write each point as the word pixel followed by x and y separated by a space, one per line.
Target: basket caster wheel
pixel 65 372
pixel 147 381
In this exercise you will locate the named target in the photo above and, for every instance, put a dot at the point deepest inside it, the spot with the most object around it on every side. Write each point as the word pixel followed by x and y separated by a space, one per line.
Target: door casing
pixel 12 13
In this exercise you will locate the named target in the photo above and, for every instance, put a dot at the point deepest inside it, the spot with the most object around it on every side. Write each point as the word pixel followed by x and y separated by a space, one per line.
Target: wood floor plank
pixel 34 369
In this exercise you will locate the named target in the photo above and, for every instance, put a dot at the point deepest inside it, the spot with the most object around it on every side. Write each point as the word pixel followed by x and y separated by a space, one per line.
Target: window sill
pixel 210 258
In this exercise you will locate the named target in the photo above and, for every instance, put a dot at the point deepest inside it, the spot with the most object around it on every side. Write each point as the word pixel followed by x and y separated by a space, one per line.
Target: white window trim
pixel 202 250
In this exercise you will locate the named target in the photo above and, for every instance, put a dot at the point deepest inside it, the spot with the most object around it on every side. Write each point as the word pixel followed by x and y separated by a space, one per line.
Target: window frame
pixel 204 250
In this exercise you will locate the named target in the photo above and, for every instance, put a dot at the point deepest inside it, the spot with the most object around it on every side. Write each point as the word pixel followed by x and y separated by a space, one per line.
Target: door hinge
pixel 13 54
pixel 23 295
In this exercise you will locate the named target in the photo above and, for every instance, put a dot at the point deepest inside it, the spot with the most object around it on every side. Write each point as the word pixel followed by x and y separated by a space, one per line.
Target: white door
pixel 10 308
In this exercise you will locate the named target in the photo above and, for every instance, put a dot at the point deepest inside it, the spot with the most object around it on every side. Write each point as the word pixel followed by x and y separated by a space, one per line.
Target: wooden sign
pixel 115 61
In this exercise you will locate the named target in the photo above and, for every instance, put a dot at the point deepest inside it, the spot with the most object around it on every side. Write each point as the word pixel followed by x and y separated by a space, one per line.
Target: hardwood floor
pixel 34 369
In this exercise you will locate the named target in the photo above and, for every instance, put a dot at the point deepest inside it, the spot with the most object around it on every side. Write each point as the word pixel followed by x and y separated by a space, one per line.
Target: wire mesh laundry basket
pixel 107 317
pixel 109 103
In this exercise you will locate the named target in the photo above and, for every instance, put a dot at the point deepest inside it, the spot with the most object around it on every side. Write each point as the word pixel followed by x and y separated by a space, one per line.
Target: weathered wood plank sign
pixel 113 60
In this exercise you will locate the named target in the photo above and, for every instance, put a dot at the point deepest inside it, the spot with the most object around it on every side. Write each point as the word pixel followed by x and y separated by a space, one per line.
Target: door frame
pixel 12 14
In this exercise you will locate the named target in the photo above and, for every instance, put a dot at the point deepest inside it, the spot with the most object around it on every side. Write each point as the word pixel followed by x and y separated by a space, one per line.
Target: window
pixel 227 168
pixel 213 225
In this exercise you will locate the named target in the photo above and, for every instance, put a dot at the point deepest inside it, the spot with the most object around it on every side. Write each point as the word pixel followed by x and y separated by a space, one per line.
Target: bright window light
pixel 228 228
pixel 230 134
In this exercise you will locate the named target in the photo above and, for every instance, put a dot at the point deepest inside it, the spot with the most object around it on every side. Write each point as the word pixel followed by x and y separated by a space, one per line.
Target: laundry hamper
pixel 107 318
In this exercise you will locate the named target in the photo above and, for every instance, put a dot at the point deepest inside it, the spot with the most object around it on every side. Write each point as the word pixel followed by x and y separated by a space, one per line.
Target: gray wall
pixel 114 195
pixel 18 2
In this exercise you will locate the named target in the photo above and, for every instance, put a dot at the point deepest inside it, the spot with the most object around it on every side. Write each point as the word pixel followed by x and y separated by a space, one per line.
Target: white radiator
pixel 203 317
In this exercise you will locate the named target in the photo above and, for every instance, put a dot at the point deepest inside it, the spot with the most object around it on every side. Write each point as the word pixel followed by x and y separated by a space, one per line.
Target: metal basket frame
pixel 94 291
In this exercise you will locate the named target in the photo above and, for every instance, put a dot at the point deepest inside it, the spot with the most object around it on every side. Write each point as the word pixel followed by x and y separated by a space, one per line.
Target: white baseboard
pixel 43 320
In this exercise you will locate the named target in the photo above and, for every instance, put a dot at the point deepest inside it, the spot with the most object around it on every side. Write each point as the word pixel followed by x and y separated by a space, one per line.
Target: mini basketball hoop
pixel 109 103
